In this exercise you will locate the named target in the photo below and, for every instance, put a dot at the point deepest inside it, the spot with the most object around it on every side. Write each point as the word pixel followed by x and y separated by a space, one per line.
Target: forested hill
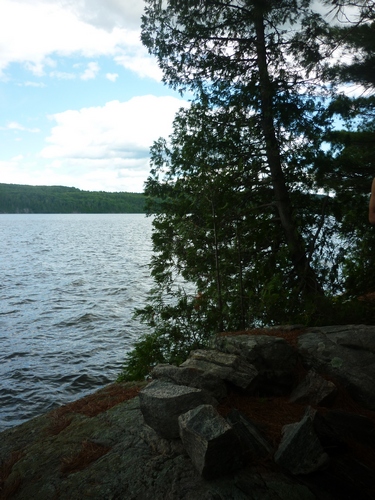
pixel 16 198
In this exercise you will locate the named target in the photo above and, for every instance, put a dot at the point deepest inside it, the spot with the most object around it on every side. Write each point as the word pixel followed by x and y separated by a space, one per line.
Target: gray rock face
pixel 162 403
pixel 347 353
pixel 278 487
pixel 341 425
pixel 273 357
pixel 254 444
pixel 192 377
pixel 229 367
pixel 300 450
pixel 314 390
pixel 123 452
pixel 210 442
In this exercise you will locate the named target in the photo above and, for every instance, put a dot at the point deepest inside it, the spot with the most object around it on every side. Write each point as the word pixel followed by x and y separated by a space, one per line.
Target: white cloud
pixel 109 13
pixel 91 71
pixel 112 77
pixel 18 127
pixel 62 75
pixel 141 64
pixel 34 33
pixel 34 84
pixel 116 130
pixel 107 147
pixel 17 158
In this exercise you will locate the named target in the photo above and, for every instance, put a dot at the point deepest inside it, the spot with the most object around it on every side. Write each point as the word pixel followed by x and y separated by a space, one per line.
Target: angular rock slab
pixel 229 367
pixel 343 425
pixel 300 450
pixel 347 354
pixel 161 404
pixel 210 441
pixel 314 390
pixel 273 357
pixel 192 377
pixel 255 446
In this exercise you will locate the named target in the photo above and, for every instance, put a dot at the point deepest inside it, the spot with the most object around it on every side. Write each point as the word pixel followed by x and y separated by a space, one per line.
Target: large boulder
pixel 314 390
pixel 254 444
pixel 345 353
pixel 300 450
pixel 229 367
pixel 162 403
pixel 273 357
pixel 340 426
pixel 210 441
pixel 191 376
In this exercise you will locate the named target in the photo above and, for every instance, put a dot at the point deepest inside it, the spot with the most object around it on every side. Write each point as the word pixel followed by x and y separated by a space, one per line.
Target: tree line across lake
pixel 16 198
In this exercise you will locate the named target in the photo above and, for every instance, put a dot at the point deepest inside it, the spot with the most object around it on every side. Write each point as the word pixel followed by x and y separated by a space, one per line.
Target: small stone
pixel 300 450
pixel 229 367
pixel 192 377
pixel 210 441
pixel 254 444
pixel 314 390
pixel 161 404
pixel 273 357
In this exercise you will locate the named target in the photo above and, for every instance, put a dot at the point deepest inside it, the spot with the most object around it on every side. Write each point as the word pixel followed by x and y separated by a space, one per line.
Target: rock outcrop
pixel 162 403
pixel 266 366
pixel 345 353
pixel 193 432
pixel 273 357
pixel 300 451
pixel 314 389
pixel 211 443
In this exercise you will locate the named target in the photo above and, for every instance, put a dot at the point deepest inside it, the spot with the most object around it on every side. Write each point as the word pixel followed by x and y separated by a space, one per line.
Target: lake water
pixel 68 288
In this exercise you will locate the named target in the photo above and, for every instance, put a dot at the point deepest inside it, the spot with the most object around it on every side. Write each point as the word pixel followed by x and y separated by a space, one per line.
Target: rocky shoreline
pixel 274 414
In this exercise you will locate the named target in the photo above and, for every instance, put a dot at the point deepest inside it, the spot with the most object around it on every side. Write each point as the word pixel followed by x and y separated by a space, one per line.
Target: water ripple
pixel 70 284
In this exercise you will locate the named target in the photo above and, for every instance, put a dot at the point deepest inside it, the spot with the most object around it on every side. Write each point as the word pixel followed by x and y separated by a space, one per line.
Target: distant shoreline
pixel 24 199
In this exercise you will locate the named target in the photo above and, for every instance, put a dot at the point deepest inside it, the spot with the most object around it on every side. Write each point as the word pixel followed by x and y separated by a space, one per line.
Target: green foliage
pixel 178 328
pixel 359 40
pixel 15 198
pixel 259 202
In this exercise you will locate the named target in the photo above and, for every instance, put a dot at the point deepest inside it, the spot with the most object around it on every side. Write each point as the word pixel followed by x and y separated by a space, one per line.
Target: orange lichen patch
pixel 271 414
pixel 364 453
pixel 88 454
pixel 290 335
pixel 58 423
pixel 368 297
pixel 96 403
pixel 8 490
pixel 344 402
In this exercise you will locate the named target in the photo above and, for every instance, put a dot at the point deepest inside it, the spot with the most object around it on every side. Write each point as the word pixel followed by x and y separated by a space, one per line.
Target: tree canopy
pixel 18 198
pixel 260 193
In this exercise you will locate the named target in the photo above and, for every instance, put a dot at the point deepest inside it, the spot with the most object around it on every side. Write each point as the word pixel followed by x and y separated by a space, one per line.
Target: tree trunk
pixel 294 240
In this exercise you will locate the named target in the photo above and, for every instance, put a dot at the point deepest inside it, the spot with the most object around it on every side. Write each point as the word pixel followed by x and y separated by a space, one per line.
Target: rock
pixel 270 485
pixel 273 357
pixel 345 353
pixel 314 390
pixel 328 437
pixel 344 425
pixel 254 444
pixel 344 479
pixel 300 450
pixel 161 404
pixel 111 452
pixel 191 377
pixel 210 442
pixel 229 367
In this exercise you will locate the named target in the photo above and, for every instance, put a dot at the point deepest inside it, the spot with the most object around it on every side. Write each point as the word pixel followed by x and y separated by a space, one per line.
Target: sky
pixel 81 101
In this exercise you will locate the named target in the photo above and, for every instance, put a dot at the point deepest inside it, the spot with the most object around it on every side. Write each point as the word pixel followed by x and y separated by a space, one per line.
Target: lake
pixel 69 284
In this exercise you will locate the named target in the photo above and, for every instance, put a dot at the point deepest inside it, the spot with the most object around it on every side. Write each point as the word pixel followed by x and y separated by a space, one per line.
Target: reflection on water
pixel 69 286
